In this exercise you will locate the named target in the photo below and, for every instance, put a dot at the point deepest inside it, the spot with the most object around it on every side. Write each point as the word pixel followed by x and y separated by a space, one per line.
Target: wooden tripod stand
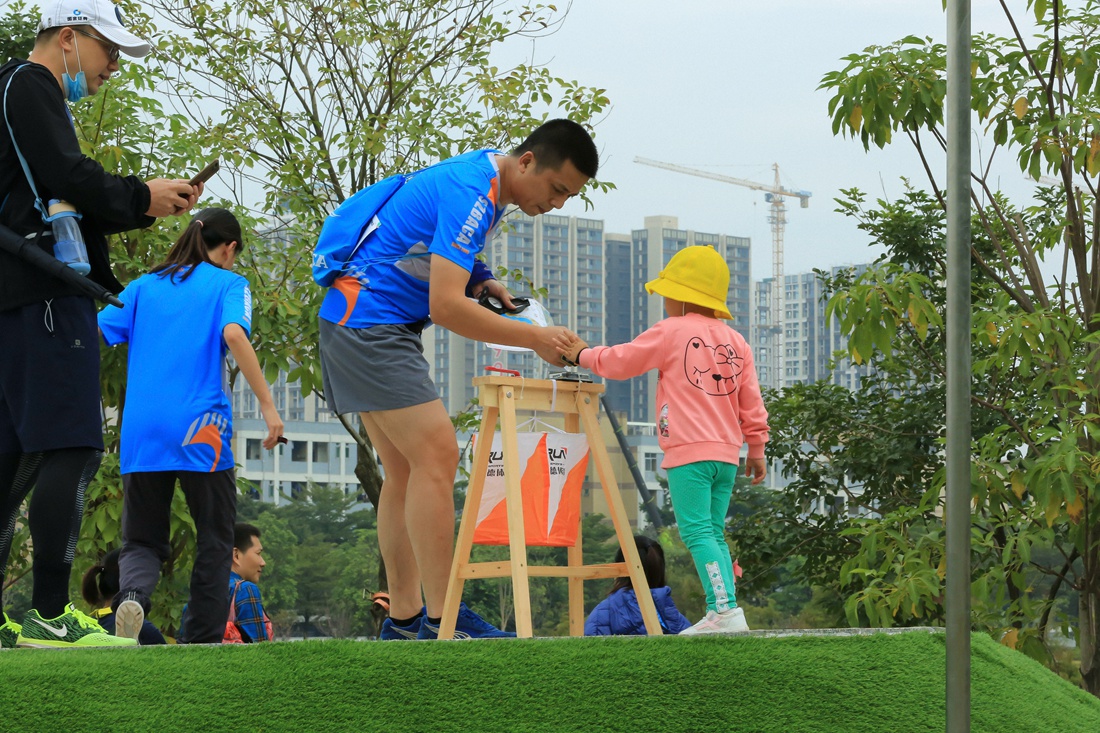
pixel 500 397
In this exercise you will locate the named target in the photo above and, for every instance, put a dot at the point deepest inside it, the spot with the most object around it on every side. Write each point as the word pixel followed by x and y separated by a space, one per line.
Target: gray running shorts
pixel 374 368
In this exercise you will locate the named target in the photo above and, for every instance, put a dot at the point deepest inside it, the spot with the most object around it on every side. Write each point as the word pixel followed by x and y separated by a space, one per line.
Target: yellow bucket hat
pixel 696 275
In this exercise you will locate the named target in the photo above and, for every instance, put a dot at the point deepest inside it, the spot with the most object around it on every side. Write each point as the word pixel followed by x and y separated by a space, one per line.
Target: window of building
pixel 252 449
pixel 296 409
pixel 298 450
pixel 320 452
pixel 651 462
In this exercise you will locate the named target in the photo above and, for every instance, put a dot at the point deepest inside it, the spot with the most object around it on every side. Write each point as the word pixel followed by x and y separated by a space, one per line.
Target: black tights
pixel 59 478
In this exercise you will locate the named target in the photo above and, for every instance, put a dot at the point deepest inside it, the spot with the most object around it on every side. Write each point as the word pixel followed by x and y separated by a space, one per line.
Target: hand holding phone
pixel 206 173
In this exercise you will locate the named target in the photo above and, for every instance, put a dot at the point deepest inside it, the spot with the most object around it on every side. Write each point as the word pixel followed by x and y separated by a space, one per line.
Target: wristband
pixel 565 359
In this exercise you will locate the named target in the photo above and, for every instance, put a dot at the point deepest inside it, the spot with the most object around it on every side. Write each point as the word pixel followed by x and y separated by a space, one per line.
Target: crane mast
pixel 775 195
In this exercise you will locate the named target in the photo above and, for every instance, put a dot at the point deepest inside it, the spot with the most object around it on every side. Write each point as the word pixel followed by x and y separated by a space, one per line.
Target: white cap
pixel 102 15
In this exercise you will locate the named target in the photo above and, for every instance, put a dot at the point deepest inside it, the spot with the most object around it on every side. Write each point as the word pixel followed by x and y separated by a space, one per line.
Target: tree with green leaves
pixel 309 103
pixel 351 610
pixel 18 28
pixel 280 576
pixel 1036 336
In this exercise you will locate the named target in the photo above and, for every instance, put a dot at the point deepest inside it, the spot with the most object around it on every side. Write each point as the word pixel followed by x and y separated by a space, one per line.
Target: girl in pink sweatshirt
pixel 708 405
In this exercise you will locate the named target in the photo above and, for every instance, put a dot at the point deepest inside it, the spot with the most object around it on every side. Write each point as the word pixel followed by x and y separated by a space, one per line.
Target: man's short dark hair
pixel 243 532
pixel 49 33
pixel 557 141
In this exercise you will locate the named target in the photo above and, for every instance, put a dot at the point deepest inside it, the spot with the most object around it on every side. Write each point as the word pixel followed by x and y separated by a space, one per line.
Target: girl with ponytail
pixel 201 241
pixel 177 424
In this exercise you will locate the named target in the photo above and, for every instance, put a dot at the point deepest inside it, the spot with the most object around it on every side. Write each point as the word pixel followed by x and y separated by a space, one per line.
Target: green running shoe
pixel 71 629
pixel 9 633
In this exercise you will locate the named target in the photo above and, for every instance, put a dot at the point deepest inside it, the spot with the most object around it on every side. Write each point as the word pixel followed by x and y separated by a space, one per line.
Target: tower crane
pixel 776 195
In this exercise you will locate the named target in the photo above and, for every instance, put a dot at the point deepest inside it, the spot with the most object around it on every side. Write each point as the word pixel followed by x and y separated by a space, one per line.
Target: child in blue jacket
pixel 619 615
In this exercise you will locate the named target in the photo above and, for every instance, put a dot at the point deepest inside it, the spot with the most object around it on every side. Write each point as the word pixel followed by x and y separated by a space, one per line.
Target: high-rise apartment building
pixel 809 342
pixel 618 300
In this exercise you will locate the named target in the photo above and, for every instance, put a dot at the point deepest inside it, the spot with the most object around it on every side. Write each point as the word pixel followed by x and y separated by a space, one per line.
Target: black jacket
pixel 40 121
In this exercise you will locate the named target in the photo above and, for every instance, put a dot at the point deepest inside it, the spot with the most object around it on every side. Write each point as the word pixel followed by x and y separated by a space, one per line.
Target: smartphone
pixel 205 174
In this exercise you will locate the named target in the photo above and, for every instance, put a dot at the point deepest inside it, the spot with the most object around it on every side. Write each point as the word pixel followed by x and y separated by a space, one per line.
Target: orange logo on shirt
pixel 207 430
pixel 348 287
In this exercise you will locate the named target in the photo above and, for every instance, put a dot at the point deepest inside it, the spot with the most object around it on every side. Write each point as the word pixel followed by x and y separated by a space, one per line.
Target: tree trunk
pixel 366 465
pixel 1088 622
pixel 370 478
pixel 649 503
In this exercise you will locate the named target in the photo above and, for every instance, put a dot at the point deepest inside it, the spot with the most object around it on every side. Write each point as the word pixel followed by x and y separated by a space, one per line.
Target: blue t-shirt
pixel 450 210
pixel 178 416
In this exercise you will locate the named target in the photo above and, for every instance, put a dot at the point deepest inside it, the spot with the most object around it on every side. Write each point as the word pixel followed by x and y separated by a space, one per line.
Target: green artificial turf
pixel 890 683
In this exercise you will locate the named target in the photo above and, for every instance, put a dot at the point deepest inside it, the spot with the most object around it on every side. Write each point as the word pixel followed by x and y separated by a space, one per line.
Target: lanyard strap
pixel 22 161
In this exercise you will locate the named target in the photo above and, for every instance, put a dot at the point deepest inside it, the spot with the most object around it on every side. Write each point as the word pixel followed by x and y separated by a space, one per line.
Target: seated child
pixel 619 614
pixel 100 586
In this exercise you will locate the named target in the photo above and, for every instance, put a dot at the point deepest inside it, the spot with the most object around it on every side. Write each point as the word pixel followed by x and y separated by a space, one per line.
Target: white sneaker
pixel 128 619
pixel 727 622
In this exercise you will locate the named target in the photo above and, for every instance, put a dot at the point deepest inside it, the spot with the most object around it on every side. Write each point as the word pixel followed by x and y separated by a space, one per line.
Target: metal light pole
pixel 957 516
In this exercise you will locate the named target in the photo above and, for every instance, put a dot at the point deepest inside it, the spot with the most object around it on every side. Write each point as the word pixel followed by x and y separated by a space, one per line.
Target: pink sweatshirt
pixel 708 397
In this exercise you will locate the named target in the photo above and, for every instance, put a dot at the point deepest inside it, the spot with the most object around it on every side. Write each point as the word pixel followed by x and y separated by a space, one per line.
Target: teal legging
pixel 700 495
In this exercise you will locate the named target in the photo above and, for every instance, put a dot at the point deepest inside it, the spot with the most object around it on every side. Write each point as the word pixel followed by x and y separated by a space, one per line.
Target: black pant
pixel 59 479
pixel 146 516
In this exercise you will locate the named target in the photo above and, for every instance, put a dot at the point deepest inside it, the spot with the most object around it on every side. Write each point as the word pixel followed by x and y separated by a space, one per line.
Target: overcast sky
pixel 730 86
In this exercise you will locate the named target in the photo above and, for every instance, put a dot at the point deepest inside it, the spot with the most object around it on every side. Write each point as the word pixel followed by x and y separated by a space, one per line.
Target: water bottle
pixel 68 241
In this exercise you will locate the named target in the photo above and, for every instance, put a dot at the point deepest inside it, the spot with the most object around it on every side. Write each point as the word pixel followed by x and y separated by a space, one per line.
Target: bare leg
pixel 393 537
pixel 416 516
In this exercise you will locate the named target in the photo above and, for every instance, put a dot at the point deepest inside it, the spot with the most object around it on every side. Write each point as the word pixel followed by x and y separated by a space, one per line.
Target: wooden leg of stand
pixel 587 410
pixel 576 587
pixel 465 542
pixel 575 555
pixel 517 541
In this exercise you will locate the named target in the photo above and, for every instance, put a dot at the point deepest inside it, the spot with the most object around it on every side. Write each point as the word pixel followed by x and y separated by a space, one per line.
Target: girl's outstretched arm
pixel 237 341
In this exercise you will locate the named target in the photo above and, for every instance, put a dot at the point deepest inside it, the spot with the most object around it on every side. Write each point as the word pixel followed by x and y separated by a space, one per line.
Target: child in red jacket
pixel 708 405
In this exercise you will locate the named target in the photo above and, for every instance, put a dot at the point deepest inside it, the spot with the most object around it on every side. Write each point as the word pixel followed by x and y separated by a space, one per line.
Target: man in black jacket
pixel 51 435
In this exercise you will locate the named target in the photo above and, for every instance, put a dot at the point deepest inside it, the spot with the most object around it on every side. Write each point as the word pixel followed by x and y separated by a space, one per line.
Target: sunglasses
pixel 113 49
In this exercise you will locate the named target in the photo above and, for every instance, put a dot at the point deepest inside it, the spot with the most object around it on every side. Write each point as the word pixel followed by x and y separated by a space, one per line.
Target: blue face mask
pixel 75 89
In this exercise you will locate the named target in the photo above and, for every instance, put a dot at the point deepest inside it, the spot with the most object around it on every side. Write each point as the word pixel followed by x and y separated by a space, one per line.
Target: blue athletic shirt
pixel 448 209
pixel 178 415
